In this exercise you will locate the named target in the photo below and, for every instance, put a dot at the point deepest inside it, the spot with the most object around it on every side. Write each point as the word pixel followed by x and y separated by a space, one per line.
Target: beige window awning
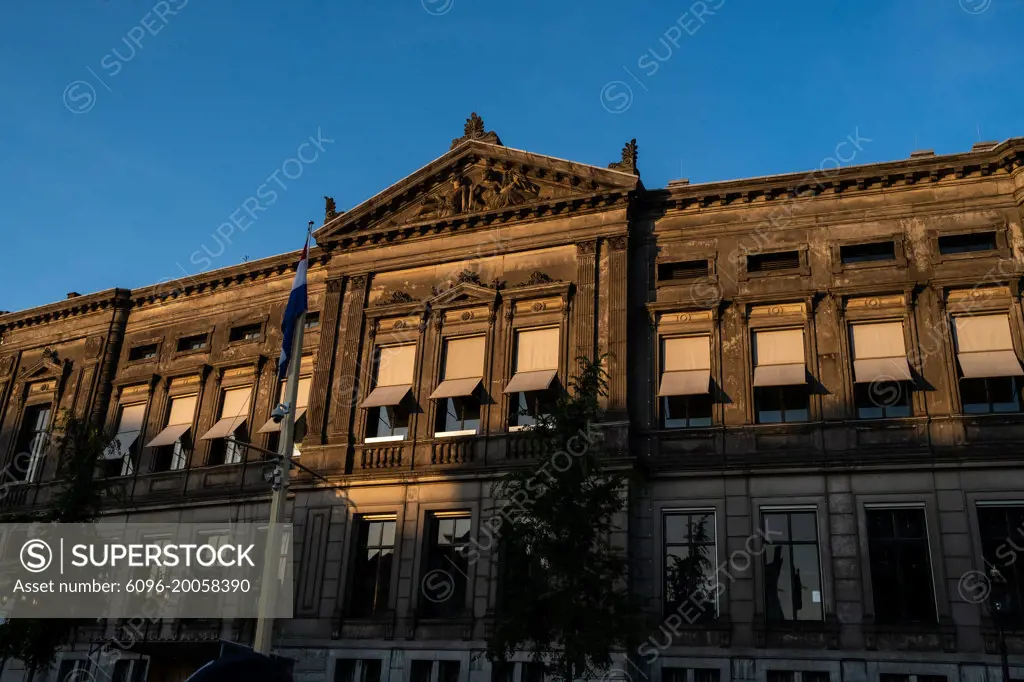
pixel 984 347
pixel 879 352
pixel 178 421
pixel 129 427
pixel 686 366
pixel 169 435
pixel 779 358
pixel 394 372
pixel 463 367
pixel 536 360
pixel 301 402
pixel 233 413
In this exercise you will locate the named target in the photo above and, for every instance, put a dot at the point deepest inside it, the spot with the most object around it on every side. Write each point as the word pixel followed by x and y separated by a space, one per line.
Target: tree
pixel 690 576
pixel 78 446
pixel 564 583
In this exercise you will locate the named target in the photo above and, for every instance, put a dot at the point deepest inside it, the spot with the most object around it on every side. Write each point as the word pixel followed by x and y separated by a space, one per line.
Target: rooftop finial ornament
pixel 474 130
pixel 330 209
pixel 628 162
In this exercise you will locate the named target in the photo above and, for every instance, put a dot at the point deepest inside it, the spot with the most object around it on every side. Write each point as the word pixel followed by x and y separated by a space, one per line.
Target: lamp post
pixel 1000 604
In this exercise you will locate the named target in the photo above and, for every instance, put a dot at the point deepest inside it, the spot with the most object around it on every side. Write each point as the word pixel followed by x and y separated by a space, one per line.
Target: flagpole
pixel 272 554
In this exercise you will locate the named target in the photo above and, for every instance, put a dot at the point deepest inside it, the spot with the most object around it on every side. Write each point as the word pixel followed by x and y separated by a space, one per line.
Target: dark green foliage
pixel 563 584
pixel 78 446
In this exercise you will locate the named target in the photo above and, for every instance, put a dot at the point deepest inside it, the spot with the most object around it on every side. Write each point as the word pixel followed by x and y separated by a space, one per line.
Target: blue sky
pixel 133 129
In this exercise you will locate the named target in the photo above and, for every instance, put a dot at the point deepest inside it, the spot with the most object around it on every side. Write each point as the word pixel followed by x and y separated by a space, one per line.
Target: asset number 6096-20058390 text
pixel 188 585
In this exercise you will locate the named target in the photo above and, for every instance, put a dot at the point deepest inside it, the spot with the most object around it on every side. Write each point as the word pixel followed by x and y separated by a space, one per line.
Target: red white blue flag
pixel 293 311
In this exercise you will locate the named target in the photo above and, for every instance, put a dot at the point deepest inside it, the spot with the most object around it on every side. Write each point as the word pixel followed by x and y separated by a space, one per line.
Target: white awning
pixel 386 396
pixel 456 388
pixel 691 382
pixel 169 435
pixel 274 427
pixel 780 375
pixel 224 428
pixel 523 382
pixel 872 370
pixel 118 447
pixel 997 363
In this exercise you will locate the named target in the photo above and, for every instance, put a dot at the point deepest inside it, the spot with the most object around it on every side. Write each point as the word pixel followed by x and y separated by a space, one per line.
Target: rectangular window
pixel 896 677
pixel 446 569
pixel 691 565
pixel 1002 532
pixel 229 433
pixel 458 408
pixel 173 443
pixel 248 332
pixel 796 676
pixel 536 365
pixel 967 243
pixel 989 366
pixel 771 262
pixel 128 670
pixel 882 380
pixel 146 352
pixel 299 431
pixel 686 270
pixel 792 567
pixel 673 674
pixel 191 343
pixel 901 573
pixel 357 670
pixel 685 383
pixel 388 406
pixel 312 320
pixel 121 455
pixel 852 254
pixel 374 558
pixel 780 376
pixel 32 441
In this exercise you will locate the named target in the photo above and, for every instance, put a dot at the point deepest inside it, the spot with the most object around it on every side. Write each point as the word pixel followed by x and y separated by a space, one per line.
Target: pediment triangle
pixel 473 179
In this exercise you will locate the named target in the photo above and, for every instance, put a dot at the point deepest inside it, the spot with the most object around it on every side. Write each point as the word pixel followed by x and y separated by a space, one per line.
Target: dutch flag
pixel 294 311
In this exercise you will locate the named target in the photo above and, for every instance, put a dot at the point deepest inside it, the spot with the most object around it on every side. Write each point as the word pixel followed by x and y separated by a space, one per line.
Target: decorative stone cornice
pixel 73 307
pixel 1005 158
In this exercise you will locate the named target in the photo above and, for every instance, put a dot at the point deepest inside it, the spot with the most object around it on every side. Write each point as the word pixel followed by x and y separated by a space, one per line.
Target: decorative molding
pixel 93 347
pixel 618 243
pixel 876 302
pixel 778 310
pixel 537 277
pixel 6 365
pixel 586 248
pixel 474 130
pixel 358 281
pixel 395 298
pixel 628 163
pixel 334 285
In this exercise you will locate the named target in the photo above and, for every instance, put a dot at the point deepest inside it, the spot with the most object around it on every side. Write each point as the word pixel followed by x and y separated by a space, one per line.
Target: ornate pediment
pixel 49 366
pixel 480 182
pixel 463 293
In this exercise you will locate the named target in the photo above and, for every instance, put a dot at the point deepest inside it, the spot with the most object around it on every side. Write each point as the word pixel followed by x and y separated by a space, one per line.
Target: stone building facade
pixel 818 374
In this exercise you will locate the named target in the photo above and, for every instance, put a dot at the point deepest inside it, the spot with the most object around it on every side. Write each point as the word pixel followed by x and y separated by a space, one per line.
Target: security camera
pixel 279 413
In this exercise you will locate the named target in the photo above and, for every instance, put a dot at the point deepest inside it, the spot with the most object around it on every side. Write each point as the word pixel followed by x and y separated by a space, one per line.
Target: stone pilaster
pixel 617 326
pixel 345 390
pixel 100 397
pixel 584 301
pixel 319 396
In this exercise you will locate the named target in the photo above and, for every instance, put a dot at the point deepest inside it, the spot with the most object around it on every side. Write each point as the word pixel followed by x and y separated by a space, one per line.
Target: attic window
pixel 146 352
pixel 770 262
pixel 691 269
pixel 967 243
pixel 190 343
pixel 312 320
pixel 248 332
pixel 867 253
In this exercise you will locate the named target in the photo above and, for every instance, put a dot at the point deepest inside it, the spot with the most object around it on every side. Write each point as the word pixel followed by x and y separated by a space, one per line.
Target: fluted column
pixel 319 394
pixel 584 300
pixel 618 359
pixel 345 387
pixel 111 355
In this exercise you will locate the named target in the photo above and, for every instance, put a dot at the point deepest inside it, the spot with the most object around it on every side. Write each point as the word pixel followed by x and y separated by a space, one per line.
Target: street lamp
pixel 1000 604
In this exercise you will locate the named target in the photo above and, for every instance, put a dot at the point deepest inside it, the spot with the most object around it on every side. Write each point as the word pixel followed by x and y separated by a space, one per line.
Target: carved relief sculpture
pixel 330 209
pixel 629 159
pixel 474 130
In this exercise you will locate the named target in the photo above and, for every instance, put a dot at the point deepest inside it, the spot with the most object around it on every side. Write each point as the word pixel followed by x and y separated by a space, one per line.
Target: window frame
pixel 666 512
pixel 142 343
pixel 802 268
pixel 823 576
pixel 675 321
pixel 36 459
pixel 1001 250
pixel 927 503
pixel 426 513
pixel 357 547
pixel 899 252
